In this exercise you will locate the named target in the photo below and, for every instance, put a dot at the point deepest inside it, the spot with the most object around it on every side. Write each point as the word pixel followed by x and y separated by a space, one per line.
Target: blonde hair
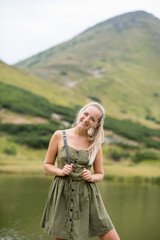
pixel 95 135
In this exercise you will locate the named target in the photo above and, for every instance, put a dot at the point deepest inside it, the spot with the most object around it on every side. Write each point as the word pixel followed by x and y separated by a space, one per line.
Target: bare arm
pixel 49 163
pixel 98 169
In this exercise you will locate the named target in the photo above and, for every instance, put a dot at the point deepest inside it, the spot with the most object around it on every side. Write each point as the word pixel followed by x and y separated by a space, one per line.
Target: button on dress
pixel 74 209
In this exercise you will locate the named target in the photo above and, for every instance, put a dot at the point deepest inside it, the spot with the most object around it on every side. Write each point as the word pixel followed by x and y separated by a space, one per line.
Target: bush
pixel 95 99
pixel 147 155
pixel 125 145
pixel 35 136
pixel 34 142
pixel 10 151
pixel 117 155
pixel 131 130
pixel 114 155
pixel 150 143
pixel 23 101
pixel 63 72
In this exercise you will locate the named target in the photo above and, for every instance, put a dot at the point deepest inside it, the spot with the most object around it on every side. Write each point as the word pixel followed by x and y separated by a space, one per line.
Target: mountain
pixel 115 62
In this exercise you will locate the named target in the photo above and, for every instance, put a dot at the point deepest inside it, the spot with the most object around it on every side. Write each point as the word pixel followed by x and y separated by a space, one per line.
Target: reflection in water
pixel 133 208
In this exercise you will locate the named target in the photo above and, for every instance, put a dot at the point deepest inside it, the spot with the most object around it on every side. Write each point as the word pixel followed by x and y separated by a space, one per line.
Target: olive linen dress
pixel 74 209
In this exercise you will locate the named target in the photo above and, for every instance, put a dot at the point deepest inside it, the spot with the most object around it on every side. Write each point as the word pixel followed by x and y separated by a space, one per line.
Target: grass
pixel 28 161
pixel 144 169
pixel 25 161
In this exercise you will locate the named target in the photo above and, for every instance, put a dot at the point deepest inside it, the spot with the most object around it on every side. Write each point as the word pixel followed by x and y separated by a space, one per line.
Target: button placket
pixel 75 162
pixel 72 195
pixel 71 206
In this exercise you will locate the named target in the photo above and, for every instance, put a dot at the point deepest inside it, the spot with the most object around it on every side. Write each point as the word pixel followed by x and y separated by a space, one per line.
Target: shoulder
pixel 57 135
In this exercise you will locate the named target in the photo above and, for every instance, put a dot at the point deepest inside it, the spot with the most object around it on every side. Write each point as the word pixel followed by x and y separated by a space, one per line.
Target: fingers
pixel 86 174
pixel 67 169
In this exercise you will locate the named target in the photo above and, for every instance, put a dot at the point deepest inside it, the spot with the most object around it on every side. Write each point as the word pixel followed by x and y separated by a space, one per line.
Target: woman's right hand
pixel 66 169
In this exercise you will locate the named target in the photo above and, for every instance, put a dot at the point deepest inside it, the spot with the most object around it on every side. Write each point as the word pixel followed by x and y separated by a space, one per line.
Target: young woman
pixel 74 209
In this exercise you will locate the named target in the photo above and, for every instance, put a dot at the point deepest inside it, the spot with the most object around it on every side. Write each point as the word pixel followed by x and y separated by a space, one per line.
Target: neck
pixel 81 132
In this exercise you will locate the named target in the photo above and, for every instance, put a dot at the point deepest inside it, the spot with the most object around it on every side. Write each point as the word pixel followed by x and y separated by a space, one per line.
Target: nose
pixel 86 119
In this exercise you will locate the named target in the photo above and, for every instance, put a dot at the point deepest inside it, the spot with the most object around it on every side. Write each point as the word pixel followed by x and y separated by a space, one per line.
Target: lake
pixel 133 208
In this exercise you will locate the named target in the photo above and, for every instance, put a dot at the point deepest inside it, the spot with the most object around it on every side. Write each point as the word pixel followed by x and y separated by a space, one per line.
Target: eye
pixel 85 113
pixel 93 119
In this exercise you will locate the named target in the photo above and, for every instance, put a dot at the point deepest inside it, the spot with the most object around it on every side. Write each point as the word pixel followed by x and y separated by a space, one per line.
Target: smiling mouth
pixel 84 124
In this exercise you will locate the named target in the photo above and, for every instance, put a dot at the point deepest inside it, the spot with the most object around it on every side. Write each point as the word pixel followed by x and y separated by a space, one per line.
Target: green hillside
pixel 115 62
pixel 36 85
pixel 24 102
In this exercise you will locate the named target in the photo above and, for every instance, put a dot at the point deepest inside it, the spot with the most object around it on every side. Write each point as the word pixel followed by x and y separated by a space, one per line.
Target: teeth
pixel 84 124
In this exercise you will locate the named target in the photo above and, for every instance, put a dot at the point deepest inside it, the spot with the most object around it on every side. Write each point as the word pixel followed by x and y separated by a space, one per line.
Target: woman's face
pixel 89 117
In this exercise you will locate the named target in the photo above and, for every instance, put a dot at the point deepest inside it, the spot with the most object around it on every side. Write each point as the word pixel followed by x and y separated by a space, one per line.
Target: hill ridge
pixel 110 20
pixel 137 14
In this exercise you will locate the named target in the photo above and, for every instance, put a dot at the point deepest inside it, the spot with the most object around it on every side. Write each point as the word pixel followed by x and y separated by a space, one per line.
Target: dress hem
pixel 95 234
pixel 101 232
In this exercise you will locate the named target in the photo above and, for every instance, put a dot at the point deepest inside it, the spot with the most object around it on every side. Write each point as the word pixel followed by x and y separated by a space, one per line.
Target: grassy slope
pixel 21 79
pixel 116 61
pixel 23 101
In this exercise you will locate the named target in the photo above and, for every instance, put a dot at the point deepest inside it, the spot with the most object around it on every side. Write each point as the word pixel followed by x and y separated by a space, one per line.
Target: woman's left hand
pixel 87 175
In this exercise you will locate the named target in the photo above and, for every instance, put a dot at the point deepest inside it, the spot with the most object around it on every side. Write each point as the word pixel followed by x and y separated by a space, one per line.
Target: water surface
pixel 133 208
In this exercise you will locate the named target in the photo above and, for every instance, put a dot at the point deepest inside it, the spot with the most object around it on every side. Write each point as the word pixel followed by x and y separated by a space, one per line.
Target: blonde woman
pixel 74 209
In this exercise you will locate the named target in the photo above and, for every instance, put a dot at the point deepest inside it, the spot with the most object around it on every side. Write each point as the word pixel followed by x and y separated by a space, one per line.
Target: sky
pixel 28 27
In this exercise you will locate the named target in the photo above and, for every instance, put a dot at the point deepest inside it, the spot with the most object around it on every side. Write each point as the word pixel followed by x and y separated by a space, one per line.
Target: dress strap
pixel 66 147
pixel 87 165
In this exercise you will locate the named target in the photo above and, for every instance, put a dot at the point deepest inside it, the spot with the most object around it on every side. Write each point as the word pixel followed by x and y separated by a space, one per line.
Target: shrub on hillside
pixel 63 72
pixel 150 143
pixel 132 130
pixel 28 129
pixel 147 155
pixel 10 151
pixel 125 145
pixel 117 155
pixel 23 101
pixel 34 141
pixel 95 99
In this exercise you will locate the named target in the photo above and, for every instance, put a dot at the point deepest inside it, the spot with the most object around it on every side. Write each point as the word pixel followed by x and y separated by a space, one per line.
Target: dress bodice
pixel 79 159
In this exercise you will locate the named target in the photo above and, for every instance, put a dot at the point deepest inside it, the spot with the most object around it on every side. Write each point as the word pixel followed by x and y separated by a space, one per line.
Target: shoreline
pixel 107 177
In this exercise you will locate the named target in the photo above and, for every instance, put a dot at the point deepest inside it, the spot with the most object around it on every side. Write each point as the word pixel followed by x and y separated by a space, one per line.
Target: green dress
pixel 74 209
